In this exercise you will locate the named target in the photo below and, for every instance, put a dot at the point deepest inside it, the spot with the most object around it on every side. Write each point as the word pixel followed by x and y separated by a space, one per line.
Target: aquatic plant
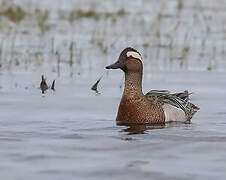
pixel 185 51
pixel 184 54
pixel 15 14
pixel 100 44
pixel 180 4
pixel 71 54
pixel 80 14
pixel 42 17
pixel 58 63
pixel 145 45
pixel 79 59
pixel 209 68
pixel 0 53
pixel 71 58
pixel 121 12
pixel 87 14
pixel 72 17
pixel 92 14
pixel 62 15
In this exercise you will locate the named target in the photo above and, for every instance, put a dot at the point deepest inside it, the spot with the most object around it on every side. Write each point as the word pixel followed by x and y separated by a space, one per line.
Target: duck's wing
pixel 183 95
pixel 178 100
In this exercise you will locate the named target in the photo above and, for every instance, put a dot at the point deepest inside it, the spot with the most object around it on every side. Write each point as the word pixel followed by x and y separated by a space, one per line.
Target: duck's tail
pixel 190 110
pixel 53 85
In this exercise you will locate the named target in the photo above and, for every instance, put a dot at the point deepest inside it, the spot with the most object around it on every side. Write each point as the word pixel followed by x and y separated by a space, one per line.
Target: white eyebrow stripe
pixel 133 54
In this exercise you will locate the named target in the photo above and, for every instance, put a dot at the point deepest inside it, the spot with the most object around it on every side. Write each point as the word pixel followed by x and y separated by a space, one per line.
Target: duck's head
pixel 43 78
pixel 129 61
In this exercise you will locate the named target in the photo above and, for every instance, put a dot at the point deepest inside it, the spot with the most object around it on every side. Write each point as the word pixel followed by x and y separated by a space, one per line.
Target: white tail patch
pixel 133 54
pixel 173 114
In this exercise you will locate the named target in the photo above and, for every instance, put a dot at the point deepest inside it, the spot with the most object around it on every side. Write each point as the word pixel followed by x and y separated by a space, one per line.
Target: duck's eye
pixel 133 54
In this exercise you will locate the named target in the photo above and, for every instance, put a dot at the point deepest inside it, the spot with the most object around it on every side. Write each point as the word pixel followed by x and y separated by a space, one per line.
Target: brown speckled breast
pixel 137 109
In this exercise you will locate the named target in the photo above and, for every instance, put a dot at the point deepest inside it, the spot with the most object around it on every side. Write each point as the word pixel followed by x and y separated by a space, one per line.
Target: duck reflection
pixel 144 128
pixel 141 128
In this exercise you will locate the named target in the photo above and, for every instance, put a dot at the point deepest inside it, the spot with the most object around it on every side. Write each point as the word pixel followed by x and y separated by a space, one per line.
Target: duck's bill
pixel 116 65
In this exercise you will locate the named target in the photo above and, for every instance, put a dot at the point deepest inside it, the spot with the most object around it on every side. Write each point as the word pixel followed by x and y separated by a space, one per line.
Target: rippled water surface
pixel 71 133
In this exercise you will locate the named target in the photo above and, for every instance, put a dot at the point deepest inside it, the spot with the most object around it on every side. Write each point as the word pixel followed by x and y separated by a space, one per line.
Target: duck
pixel 43 85
pixel 154 107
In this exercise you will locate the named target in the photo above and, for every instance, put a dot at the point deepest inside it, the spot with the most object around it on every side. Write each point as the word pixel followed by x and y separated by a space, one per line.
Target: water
pixel 71 133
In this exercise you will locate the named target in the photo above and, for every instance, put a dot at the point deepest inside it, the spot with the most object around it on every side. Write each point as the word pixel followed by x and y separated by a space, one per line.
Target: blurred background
pixel 75 35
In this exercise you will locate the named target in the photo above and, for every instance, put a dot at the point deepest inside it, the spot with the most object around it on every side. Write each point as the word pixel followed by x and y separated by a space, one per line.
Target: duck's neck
pixel 133 83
